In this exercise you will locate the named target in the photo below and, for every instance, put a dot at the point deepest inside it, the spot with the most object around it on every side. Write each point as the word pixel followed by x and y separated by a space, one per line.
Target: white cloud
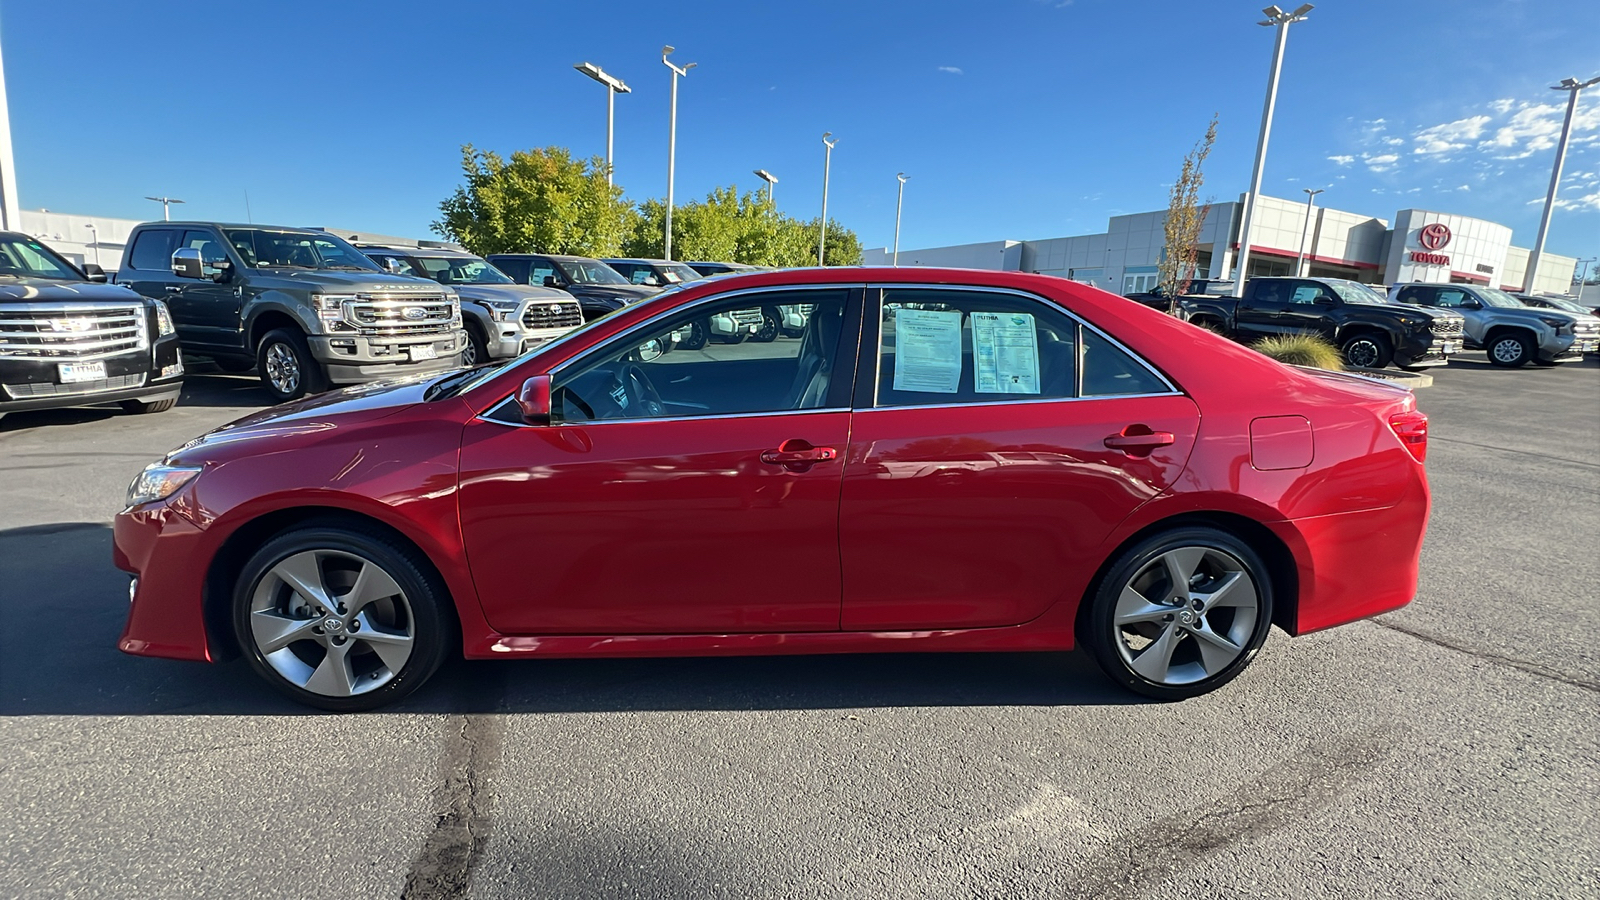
pixel 1381 163
pixel 1464 187
pixel 1590 201
pixel 951 70
pixel 1502 106
pixel 1341 160
pixel 1449 136
pixel 1394 142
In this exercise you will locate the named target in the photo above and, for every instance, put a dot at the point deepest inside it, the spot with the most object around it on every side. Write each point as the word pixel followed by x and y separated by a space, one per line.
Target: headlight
pixel 159 481
pixel 502 310
pixel 455 309
pixel 1557 324
pixel 163 320
pixel 330 307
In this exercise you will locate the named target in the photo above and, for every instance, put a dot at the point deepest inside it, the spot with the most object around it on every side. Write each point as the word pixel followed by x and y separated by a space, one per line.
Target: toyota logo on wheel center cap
pixel 332 624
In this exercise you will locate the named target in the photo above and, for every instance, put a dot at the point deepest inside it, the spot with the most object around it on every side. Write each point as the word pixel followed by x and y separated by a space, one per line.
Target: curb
pixel 1409 380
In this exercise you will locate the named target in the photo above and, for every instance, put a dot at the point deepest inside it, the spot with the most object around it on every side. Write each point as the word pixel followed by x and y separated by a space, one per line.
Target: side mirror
pixel 224 271
pixel 652 281
pixel 186 263
pixel 1471 303
pixel 1323 300
pixel 552 281
pixel 650 351
pixel 533 398
pixel 94 273
pixel 394 266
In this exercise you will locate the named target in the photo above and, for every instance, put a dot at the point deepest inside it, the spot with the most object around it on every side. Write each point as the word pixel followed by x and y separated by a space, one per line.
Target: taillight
pixel 1412 430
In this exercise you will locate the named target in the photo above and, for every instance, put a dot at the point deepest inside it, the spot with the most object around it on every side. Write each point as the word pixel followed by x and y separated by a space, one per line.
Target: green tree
pixel 732 227
pixel 542 200
pixel 1185 216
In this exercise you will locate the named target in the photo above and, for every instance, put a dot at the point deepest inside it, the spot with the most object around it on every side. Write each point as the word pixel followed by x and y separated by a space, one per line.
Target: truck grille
pixel 26 391
pixel 384 315
pixel 553 315
pixel 71 331
pixel 747 316
pixel 1586 329
pixel 1450 326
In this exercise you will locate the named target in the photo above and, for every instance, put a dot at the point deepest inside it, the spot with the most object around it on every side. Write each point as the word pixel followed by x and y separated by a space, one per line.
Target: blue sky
pixel 1014 118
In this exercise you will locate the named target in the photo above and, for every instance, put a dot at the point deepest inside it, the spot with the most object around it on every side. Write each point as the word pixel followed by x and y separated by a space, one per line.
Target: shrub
pixel 1300 350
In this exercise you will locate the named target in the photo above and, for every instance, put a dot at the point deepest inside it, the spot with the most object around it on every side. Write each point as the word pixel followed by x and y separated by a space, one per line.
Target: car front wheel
pixel 1511 350
pixel 1367 351
pixel 288 371
pixel 340 618
pixel 1179 614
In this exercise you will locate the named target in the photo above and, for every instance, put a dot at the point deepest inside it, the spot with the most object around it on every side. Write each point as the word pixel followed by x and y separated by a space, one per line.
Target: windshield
pixel 589 271
pixel 1493 297
pixel 261 248
pixel 459 270
pixel 27 258
pixel 677 273
pixel 1356 292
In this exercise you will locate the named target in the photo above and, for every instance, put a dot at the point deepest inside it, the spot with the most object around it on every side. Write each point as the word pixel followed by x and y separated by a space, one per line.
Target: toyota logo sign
pixel 415 312
pixel 1434 236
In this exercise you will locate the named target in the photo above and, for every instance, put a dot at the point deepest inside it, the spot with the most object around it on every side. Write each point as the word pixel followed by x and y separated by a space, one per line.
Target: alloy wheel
pixel 1507 350
pixel 1186 615
pixel 283 368
pixel 1361 354
pixel 332 623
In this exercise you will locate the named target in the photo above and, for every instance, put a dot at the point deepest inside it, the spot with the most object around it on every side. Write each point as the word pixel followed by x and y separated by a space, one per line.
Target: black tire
pixel 476 353
pixel 1367 350
pixel 234 366
pixel 288 371
pixel 424 602
pixel 140 407
pixel 1510 349
pixel 771 325
pixel 1108 642
pixel 699 333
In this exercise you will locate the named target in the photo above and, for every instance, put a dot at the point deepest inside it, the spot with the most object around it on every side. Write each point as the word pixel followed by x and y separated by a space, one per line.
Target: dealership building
pixel 1419 245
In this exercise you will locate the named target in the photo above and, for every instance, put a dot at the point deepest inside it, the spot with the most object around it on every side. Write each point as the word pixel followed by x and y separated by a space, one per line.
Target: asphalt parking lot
pixel 1449 749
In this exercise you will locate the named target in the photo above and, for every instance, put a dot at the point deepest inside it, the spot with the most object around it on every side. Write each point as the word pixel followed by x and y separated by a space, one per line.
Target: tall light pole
pixel 95 234
pixel 614 86
pixel 672 139
pixel 1311 202
pixel 903 177
pixel 10 208
pixel 1573 87
pixel 770 179
pixel 1281 20
pixel 827 162
pixel 166 206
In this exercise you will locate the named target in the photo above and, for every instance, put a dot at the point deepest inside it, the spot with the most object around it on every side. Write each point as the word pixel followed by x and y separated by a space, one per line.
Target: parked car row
pixel 1413 326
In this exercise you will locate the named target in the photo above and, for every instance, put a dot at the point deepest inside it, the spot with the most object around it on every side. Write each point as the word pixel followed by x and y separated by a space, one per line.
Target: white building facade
pixel 1421 245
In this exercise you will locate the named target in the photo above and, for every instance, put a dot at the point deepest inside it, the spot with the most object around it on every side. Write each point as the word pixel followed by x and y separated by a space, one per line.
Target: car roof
pixel 642 260
pixel 417 251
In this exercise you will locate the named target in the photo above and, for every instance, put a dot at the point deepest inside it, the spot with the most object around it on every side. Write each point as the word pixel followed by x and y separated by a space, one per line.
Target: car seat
pixel 817 345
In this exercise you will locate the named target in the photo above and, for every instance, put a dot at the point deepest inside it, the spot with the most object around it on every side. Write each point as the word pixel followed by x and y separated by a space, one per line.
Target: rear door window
pixel 152 249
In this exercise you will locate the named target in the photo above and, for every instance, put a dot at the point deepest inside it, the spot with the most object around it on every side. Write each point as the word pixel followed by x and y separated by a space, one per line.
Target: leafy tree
pixel 543 200
pixel 1185 216
pixel 743 228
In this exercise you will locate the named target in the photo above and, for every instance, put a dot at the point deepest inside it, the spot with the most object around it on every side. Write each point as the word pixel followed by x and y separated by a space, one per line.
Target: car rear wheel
pixel 340 619
pixel 288 371
pixel 1509 350
pixel 1179 614
pixel 1366 350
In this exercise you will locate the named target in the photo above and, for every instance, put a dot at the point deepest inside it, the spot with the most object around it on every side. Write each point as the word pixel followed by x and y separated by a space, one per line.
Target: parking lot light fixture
pixel 899 199
pixel 770 179
pixel 614 86
pixel 672 140
pixel 94 234
pixel 1311 202
pixel 1573 87
pixel 166 206
pixel 1276 18
pixel 827 162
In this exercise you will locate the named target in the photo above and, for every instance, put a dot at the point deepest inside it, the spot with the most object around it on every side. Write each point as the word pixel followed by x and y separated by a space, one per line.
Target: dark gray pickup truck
pixel 301 306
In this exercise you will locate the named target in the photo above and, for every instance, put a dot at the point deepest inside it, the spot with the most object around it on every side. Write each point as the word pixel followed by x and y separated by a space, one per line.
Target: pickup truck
pixel 1512 334
pixel 302 307
pixel 69 339
pixel 1369 331
pixel 598 287
pixel 1155 298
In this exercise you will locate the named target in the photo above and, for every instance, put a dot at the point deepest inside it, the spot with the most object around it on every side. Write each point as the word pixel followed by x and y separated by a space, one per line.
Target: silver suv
pixel 503 318
pixel 1512 334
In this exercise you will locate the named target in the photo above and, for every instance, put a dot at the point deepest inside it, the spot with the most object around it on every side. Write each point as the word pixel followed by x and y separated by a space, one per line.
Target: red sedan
pixel 941 460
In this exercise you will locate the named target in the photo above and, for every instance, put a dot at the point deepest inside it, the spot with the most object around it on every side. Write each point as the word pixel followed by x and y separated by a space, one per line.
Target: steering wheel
pixel 639 388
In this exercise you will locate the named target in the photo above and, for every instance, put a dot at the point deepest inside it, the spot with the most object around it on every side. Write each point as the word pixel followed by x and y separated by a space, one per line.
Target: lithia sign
pixel 1433 237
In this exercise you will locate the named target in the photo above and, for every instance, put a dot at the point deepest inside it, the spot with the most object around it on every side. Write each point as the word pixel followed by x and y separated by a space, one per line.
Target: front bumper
pixel 1436 352
pixel 356 359
pixel 167 554
pixel 136 375
pixel 517 341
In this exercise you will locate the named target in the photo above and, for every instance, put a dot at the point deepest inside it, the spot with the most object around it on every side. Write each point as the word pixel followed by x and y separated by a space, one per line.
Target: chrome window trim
pixel 999 403
pixel 877 365
pixel 484 416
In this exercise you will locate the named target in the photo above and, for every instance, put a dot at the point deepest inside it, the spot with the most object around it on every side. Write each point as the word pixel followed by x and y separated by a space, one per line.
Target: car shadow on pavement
pixel 64 605
pixel 218 389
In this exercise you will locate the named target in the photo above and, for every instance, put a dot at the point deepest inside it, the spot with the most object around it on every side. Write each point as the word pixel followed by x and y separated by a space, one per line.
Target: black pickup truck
pixel 1368 330
pixel 1156 298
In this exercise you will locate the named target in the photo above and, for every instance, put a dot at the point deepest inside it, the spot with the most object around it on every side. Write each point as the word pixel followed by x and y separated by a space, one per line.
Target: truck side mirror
pixel 394 266
pixel 1471 303
pixel 552 281
pixel 186 263
pixel 533 399
pixel 94 273
pixel 1323 300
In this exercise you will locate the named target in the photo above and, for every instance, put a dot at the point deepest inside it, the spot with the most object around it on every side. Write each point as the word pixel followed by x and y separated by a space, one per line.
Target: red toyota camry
pixel 922 460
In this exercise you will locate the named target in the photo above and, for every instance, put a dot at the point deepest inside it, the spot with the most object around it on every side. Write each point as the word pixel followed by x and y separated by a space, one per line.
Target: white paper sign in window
pixel 927 351
pixel 1005 353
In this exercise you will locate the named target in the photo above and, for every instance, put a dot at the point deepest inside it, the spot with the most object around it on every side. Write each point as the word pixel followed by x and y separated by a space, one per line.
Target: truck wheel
pixel 1509 350
pixel 696 340
pixel 477 349
pixel 288 371
pixel 140 407
pixel 771 324
pixel 1366 350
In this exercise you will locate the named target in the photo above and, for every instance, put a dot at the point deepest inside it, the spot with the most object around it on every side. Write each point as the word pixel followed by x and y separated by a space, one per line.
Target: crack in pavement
pixel 1128 863
pixel 1532 668
pixel 442 869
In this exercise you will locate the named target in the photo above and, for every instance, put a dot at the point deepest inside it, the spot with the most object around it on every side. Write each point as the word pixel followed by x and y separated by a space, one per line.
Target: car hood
pixel 323 414
pixel 515 293
pixel 35 290
pixel 1529 312
pixel 347 281
pixel 1428 312
pixel 626 292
